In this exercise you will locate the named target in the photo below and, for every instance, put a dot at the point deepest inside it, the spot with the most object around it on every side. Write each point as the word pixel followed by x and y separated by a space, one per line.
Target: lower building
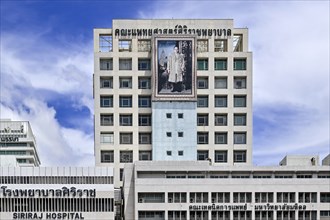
pixel 57 193
pixel 191 190
pixel 17 144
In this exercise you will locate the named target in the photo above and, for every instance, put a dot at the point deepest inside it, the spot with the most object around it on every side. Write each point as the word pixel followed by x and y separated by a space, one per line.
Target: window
pixel 285 215
pixel 168 115
pixel 239 156
pixel 202 119
pixel 106 119
pixel 240 82
pixel 202 155
pixel 125 120
pixel 242 197
pixel 202 101
pixel 220 138
pixel 202 82
pixel 220 215
pixel 180 152
pixel 121 174
pixel 220 45
pixel 169 153
pixel 106 64
pixel 199 215
pixel 125 64
pixel 144 64
pixel 202 138
pixel 105 43
pixel 125 45
pixel 285 197
pixel 239 101
pixel 202 46
pixel 125 101
pixel 324 214
pixel 145 155
pixel 242 215
pixel 180 134
pixel 199 197
pixel 144 45
pixel 238 43
pixel 168 134
pixel 126 138
pixel 220 101
pixel 220 64
pixel 264 215
pixel 264 197
pixel 144 138
pixel 239 137
pixel 325 197
pixel 125 82
pixel 307 197
pixel 177 197
pixel 126 156
pixel 220 156
pixel 144 215
pixel 106 138
pixel 202 64
pixel 220 120
pixel 239 119
pixel 180 115
pixel 106 101
pixel 307 215
pixel 106 82
pixel 239 64
pixel 220 197
pixel 107 156
pixel 144 120
pixel 220 83
pixel 144 83
pixel 151 198
pixel 144 101
pixel 173 215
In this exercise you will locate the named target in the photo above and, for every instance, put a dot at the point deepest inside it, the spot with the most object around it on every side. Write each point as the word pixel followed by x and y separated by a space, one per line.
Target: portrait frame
pixel 174 68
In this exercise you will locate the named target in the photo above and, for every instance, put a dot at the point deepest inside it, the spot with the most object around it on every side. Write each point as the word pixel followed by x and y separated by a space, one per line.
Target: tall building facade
pixel 169 90
pixel 17 144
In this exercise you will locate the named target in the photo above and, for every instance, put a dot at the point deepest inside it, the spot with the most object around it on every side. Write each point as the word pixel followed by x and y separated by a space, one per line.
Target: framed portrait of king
pixel 174 71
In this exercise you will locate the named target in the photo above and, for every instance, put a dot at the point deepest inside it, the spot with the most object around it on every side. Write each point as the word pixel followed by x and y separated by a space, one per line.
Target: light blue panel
pixel 161 125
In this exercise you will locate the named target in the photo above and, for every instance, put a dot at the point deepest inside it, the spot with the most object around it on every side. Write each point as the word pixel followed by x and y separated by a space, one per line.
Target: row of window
pixel 202 137
pixel 220 156
pixel 145 82
pixel 125 45
pixel 237 215
pixel 126 101
pixel 145 64
pixel 226 175
pixel 235 197
pixel 145 119
pixel 56 205
pixel 56 180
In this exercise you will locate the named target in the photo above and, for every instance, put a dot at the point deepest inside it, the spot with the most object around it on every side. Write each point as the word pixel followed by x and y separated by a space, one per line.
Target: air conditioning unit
pixel 170 200
pixel 141 200
pixel 213 200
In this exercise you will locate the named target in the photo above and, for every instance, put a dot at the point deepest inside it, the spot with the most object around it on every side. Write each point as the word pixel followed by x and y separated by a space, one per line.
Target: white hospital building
pixel 142 114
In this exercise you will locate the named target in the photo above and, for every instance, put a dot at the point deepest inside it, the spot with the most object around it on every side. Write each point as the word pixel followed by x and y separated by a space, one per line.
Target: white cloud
pixel 34 73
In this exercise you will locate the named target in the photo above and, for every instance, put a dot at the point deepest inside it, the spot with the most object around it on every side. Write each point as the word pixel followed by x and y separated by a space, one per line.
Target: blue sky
pixel 47 66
